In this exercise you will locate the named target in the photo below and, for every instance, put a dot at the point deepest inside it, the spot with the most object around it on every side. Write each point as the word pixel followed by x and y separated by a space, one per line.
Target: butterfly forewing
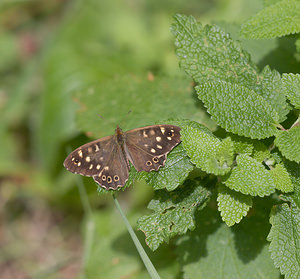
pixel 147 147
pixel 88 159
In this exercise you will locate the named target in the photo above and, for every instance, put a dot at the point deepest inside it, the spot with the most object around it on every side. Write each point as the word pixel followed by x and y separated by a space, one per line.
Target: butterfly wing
pixel 116 170
pixel 103 159
pixel 147 147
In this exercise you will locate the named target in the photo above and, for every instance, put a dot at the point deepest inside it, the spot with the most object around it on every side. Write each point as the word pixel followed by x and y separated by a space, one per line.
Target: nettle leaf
pixel 276 20
pixel 213 250
pixel 294 172
pixel 271 90
pixel 291 85
pixel 238 109
pixel 282 179
pixel 173 213
pixel 232 205
pixel 209 54
pixel 207 151
pixel 250 177
pixel 288 143
pixel 173 173
pixel 189 123
pixel 260 151
pixel 241 145
pixel 225 152
pixel 285 238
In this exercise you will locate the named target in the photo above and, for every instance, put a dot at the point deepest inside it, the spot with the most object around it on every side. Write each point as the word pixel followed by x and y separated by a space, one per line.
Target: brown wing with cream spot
pixel 103 159
pixel 116 170
pixel 88 159
pixel 147 147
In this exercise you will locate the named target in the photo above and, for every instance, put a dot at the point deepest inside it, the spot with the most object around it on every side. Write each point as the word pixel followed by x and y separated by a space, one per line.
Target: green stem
pixel 147 262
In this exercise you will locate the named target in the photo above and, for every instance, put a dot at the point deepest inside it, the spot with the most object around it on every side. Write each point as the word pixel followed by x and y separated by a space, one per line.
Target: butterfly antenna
pixel 101 116
pixel 124 118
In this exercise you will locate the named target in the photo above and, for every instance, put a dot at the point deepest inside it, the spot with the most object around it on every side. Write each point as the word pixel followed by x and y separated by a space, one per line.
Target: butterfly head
pixel 119 134
pixel 118 130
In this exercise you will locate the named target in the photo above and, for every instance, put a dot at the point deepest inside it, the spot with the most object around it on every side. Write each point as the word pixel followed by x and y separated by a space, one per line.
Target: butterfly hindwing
pixel 147 147
pixel 103 159
pixel 115 171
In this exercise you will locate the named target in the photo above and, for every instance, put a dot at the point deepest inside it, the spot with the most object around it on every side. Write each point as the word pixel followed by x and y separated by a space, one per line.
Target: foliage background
pixel 53 52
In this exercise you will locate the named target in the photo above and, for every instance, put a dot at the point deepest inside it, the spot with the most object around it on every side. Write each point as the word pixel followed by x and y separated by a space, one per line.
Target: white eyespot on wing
pixel 80 153
pixel 169 138
pixel 158 139
pixel 152 150
pixel 96 147
pixel 116 178
pixel 79 164
pixel 91 166
pixel 98 167
pixel 162 129
pixel 146 145
pixel 159 146
pixel 88 158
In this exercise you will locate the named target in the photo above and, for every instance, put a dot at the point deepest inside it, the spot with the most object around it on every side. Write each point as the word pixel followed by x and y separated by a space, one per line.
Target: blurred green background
pixel 55 57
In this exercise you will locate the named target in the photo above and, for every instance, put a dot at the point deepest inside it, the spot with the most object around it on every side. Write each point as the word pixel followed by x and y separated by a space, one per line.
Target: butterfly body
pixel 107 159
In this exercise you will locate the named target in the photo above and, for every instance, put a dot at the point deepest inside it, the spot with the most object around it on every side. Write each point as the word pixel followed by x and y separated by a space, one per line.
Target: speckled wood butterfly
pixel 107 159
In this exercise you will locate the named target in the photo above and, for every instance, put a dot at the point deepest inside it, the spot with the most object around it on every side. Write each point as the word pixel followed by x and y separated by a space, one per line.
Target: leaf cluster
pixel 253 155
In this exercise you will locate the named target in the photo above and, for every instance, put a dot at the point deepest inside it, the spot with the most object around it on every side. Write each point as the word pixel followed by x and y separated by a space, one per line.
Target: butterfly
pixel 107 159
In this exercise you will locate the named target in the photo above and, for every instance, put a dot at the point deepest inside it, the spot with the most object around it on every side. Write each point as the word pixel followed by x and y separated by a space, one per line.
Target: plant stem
pixel 147 262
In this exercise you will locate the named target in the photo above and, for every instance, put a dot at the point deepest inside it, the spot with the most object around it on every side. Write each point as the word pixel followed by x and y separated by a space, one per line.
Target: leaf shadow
pixel 193 246
pixel 251 233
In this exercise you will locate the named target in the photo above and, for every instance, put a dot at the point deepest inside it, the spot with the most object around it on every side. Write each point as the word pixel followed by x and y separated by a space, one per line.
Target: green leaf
pixel 288 143
pixel 291 85
pixel 173 213
pixel 209 54
pixel 172 174
pixel 282 179
pixel 232 205
pixel 149 100
pixel 276 20
pixel 225 152
pixel 260 151
pixel 206 151
pixel 250 177
pixel 215 251
pixel 241 145
pixel 238 109
pixel 188 123
pixel 294 173
pixel 285 239
pixel 271 90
